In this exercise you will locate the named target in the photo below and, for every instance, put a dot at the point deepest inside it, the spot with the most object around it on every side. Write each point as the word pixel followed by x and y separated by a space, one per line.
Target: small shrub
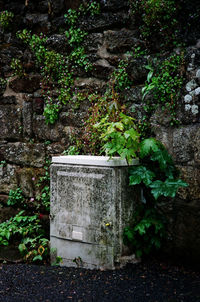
pixel 15 198
pixel 6 19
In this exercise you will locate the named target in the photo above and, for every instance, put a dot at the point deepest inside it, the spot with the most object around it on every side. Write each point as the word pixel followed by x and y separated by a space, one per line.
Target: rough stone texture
pixel 104 21
pixel 11 126
pixel 25 179
pixel 24 153
pixel 6 213
pixel 90 206
pixel 183 146
pixel 44 132
pixel 121 41
pixel 27 119
pixel 191 175
pixel 197 146
pixel 27 84
pixel 8 178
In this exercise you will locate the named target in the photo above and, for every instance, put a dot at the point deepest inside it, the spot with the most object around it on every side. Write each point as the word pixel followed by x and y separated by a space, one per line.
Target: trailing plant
pixel 17 67
pixel 16 198
pixel 146 231
pixel 103 109
pixel 44 185
pixel 164 84
pixel 6 19
pixel 159 19
pixel 120 78
pixel 156 174
pixel 121 137
pixel 28 231
pixel 3 84
pixel 56 69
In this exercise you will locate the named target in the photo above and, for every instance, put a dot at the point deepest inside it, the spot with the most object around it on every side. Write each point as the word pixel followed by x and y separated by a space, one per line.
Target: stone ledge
pixel 92 160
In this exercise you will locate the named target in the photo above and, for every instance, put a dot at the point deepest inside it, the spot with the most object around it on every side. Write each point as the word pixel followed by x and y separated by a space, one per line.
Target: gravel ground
pixel 151 281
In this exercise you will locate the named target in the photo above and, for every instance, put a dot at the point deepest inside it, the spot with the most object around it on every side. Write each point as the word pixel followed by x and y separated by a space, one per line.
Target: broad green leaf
pixel 167 188
pixel 38 257
pixel 140 174
pixel 148 146
pixel 22 247
pixel 132 133
pixel 164 159
pixel 149 76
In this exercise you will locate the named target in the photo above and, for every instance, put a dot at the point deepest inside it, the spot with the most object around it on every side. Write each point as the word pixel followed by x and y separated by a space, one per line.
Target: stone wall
pixel 26 140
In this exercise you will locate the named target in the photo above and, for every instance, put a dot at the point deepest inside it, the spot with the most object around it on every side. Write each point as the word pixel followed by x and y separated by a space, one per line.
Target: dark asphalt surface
pixel 151 281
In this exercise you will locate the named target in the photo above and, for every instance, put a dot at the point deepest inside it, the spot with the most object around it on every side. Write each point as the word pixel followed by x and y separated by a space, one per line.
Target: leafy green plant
pixel 156 174
pixel 157 18
pixel 51 112
pixel 28 231
pixel 164 84
pixel 57 70
pixel 156 171
pixel 120 77
pixel 2 83
pixel 146 231
pixel 16 198
pixel 44 185
pixel 2 163
pixel 121 137
pixel 6 19
pixel 158 177
pixel 17 67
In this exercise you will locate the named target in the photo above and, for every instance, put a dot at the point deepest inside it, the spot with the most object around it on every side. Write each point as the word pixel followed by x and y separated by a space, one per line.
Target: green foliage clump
pixel 120 78
pixel 164 84
pixel 159 19
pixel 28 231
pixel 3 83
pixel 146 231
pixel 17 67
pixel 121 137
pixel 156 171
pixel 16 197
pixel 56 69
pixel 6 19
pixel 156 174
pixel 44 185
pixel 51 112
pixel 158 178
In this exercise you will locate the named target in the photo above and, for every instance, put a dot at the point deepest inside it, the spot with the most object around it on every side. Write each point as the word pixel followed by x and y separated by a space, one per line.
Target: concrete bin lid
pixel 90 160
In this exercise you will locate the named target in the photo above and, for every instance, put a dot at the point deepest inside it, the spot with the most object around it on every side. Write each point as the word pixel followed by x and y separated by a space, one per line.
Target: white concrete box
pixel 91 203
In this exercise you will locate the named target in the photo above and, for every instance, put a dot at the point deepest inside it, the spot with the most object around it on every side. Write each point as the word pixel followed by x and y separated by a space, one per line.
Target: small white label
pixel 77 235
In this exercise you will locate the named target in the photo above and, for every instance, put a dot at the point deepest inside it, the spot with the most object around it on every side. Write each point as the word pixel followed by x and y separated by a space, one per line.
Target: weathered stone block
pixel 183 143
pixel 91 203
pixel 28 84
pixel 136 68
pixel 10 120
pixel 197 146
pixel 114 4
pixel 24 153
pixel 55 149
pixel 6 213
pixel 27 119
pixel 191 175
pixel 121 41
pixel 43 132
pixel 8 178
pixel 93 42
pixel 104 21
pixel 25 176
